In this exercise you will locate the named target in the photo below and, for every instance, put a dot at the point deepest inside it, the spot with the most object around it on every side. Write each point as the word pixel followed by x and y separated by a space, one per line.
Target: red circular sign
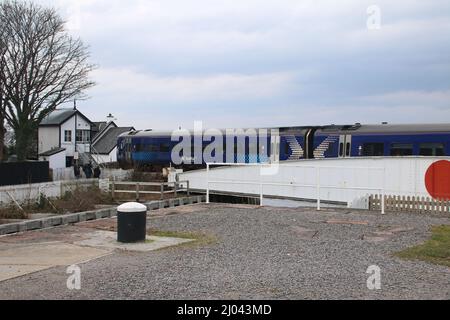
pixel 437 180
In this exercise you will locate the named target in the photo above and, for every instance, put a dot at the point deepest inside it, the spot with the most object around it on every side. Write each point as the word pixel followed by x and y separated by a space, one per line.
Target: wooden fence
pixel 142 188
pixel 415 204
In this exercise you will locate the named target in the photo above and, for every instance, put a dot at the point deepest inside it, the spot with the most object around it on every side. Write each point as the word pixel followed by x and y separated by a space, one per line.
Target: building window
pixel 83 136
pixel 67 136
pixel 69 162
pixel 431 149
pixel 401 149
pixel 373 149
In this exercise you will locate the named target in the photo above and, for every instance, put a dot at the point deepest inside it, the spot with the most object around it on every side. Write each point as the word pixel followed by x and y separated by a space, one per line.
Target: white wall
pixel 106 173
pixel 113 155
pixel 56 161
pixel 48 138
pixel 106 158
pixel 81 124
pixel 345 180
pixel 30 193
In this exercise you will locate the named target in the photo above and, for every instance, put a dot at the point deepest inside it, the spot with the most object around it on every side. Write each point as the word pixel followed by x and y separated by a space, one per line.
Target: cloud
pixel 263 63
pixel 151 87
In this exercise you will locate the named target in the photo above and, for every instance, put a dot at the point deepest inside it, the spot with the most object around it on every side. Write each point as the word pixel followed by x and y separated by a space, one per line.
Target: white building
pixel 64 136
pixel 104 143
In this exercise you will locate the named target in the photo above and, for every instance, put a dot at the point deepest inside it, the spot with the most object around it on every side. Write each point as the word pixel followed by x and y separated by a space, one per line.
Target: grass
pixel 435 250
pixel 198 237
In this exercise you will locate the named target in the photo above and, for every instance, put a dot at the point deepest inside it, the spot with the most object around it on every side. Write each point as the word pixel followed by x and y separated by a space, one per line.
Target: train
pixel 190 149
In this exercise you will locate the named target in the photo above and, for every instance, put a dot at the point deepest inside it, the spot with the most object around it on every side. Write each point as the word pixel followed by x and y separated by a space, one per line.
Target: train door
pixel 274 147
pixel 345 146
pixel 309 143
pixel 127 150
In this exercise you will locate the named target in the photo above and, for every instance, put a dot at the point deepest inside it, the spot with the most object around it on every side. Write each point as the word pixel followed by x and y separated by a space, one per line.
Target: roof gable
pixel 108 141
pixel 58 116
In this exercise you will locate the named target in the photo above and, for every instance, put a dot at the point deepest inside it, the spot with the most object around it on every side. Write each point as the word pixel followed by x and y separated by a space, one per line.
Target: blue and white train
pixel 154 148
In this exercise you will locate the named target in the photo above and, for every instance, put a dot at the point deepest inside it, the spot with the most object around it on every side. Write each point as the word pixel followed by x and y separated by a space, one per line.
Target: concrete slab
pixel 14 271
pixel 18 260
pixel 334 221
pixel 304 233
pixel 108 239
pixel 49 254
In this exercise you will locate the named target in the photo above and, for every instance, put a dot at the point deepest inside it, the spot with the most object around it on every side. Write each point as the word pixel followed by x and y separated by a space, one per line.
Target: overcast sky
pixel 255 63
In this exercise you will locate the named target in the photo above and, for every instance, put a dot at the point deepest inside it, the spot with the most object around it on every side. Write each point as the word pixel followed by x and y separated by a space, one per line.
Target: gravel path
pixel 260 253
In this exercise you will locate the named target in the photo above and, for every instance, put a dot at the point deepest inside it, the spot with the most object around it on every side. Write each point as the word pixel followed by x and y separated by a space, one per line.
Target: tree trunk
pixel 2 136
pixel 24 137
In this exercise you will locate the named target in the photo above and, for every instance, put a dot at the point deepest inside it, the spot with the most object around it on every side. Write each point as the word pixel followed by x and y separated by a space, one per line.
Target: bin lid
pixel 131 207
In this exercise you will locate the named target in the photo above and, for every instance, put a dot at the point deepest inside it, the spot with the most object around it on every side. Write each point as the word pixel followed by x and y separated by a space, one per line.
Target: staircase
pixel 86 157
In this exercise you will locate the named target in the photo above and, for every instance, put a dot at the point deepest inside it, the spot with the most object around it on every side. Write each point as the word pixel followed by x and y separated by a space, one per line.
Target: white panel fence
pixel 352 181
pixel 106 173
pixel 29 193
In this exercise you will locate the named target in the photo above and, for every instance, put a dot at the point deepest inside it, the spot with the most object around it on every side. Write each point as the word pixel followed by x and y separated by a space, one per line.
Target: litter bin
pixel 131 222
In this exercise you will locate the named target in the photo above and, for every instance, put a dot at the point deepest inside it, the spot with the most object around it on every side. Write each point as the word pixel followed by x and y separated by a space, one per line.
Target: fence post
pixel 187 186
pixel 162 191
pixel 137 191
pixel 383 192
pixel 113 186
pixel 261 192
pixel 207 183
pixel 318 187
pixel 175 187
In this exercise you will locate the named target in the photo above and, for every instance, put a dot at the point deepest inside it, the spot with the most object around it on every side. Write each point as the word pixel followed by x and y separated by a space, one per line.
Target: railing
pixel 139 188
pixel 95 156
pixel 317 185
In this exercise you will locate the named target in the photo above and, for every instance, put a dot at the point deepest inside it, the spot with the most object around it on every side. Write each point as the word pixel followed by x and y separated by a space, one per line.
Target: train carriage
pixel 154 148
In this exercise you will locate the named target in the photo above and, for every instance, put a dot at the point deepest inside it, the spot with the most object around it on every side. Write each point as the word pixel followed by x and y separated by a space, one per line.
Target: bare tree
pixel 2 106
pixel 43 67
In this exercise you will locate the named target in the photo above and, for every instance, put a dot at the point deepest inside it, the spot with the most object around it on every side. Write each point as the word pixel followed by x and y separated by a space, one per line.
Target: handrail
pixel 317 185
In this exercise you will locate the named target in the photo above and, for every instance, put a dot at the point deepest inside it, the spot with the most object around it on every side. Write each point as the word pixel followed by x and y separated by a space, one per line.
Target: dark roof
pixel 109 140
pixel 59 116
pixel 52 152
pixel 99 125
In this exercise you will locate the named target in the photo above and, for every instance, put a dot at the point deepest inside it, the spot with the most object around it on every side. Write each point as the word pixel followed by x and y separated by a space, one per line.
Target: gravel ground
pixel 260 253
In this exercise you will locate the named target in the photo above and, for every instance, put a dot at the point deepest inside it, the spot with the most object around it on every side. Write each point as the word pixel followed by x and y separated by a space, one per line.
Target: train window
pixel 373 149
pixel 431 149
pixel 139 147
pixel 347 150
pixel 286 148
pixel 341 149
pixel 401 149
pixel 164 147
pixel 152 148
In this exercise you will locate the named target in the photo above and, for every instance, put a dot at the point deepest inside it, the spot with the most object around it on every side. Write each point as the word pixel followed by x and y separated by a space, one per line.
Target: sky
pixel 262 63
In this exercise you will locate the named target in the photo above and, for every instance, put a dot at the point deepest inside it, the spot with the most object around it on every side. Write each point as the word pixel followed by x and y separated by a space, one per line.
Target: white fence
pixel 106 173
pixel 349 181
pixel 29 193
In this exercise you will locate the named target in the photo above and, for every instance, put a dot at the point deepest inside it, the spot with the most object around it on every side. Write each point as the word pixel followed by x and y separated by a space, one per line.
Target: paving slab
pixel 108 239
pixel 17 260
pixel 12 271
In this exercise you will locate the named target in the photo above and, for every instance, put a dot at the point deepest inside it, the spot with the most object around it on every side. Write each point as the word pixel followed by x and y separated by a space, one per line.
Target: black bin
pixel 131 222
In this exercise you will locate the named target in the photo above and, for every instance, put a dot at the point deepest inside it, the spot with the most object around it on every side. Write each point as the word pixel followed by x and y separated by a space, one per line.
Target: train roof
pixel 387 128
pixel 165 133
pixel 337 129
